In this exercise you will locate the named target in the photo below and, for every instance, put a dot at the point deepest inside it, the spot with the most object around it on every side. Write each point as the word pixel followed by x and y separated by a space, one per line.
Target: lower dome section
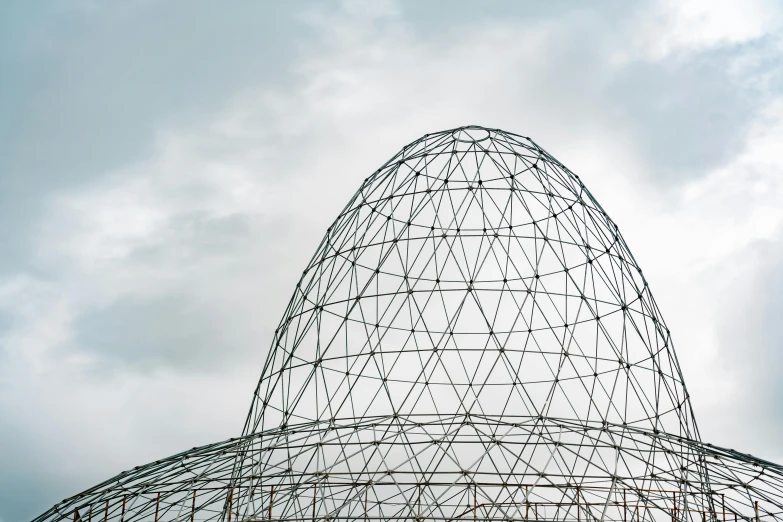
pixel 442 468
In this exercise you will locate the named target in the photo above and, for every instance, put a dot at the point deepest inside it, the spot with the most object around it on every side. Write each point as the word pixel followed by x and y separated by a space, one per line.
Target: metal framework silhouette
pixel 472 340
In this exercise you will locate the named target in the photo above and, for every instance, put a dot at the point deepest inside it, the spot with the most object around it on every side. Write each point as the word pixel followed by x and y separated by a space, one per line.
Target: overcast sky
pixel 167 168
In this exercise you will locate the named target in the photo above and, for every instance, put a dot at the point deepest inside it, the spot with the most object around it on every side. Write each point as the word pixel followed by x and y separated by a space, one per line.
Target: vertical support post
pixel 315 488
pixel 418 503
pixel 705 504
pixel 271 499
pixel 756 506
pixel 723 505
pixel 674 507
pixel 527 506
pixel 475 501
pixel 625 506
pixel 578 507
pixel 90 515
pixel 122 517
pixel 76 517
pixel 157 507
pixel 106 513
pixel 230 504
pixel 366 493
pixel 193 507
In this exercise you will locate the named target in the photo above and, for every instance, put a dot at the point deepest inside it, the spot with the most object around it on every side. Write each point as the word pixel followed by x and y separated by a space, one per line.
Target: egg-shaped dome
pixel 473 273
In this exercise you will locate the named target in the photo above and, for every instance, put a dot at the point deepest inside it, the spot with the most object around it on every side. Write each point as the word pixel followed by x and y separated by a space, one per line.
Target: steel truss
pixel 472 340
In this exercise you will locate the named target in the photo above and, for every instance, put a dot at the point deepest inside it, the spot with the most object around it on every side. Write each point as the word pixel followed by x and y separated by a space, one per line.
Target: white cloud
pixel 43 316
pixel 687 26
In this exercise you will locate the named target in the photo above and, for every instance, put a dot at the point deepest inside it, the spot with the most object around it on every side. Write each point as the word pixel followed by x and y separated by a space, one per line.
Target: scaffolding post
pixel 475 501
pixel 625 506
pixel 271 499
pixel 193 507
pixel 157 507
pixel 674 507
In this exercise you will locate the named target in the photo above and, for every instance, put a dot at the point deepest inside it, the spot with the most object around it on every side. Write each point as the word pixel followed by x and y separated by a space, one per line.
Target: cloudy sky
pixel 168 167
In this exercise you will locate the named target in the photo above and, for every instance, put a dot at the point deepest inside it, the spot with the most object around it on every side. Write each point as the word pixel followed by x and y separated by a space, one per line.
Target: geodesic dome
pixel 472 339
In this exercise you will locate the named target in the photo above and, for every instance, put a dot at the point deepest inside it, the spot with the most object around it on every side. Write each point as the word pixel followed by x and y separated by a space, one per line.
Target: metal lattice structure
pixel 472 340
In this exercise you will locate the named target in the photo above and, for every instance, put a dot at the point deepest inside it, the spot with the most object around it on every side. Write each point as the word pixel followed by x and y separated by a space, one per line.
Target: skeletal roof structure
pixel 472 339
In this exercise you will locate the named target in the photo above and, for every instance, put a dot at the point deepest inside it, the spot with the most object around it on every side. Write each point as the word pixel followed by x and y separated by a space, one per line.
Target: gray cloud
pixel 688 116
pixel 751 336
pixel 86 86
